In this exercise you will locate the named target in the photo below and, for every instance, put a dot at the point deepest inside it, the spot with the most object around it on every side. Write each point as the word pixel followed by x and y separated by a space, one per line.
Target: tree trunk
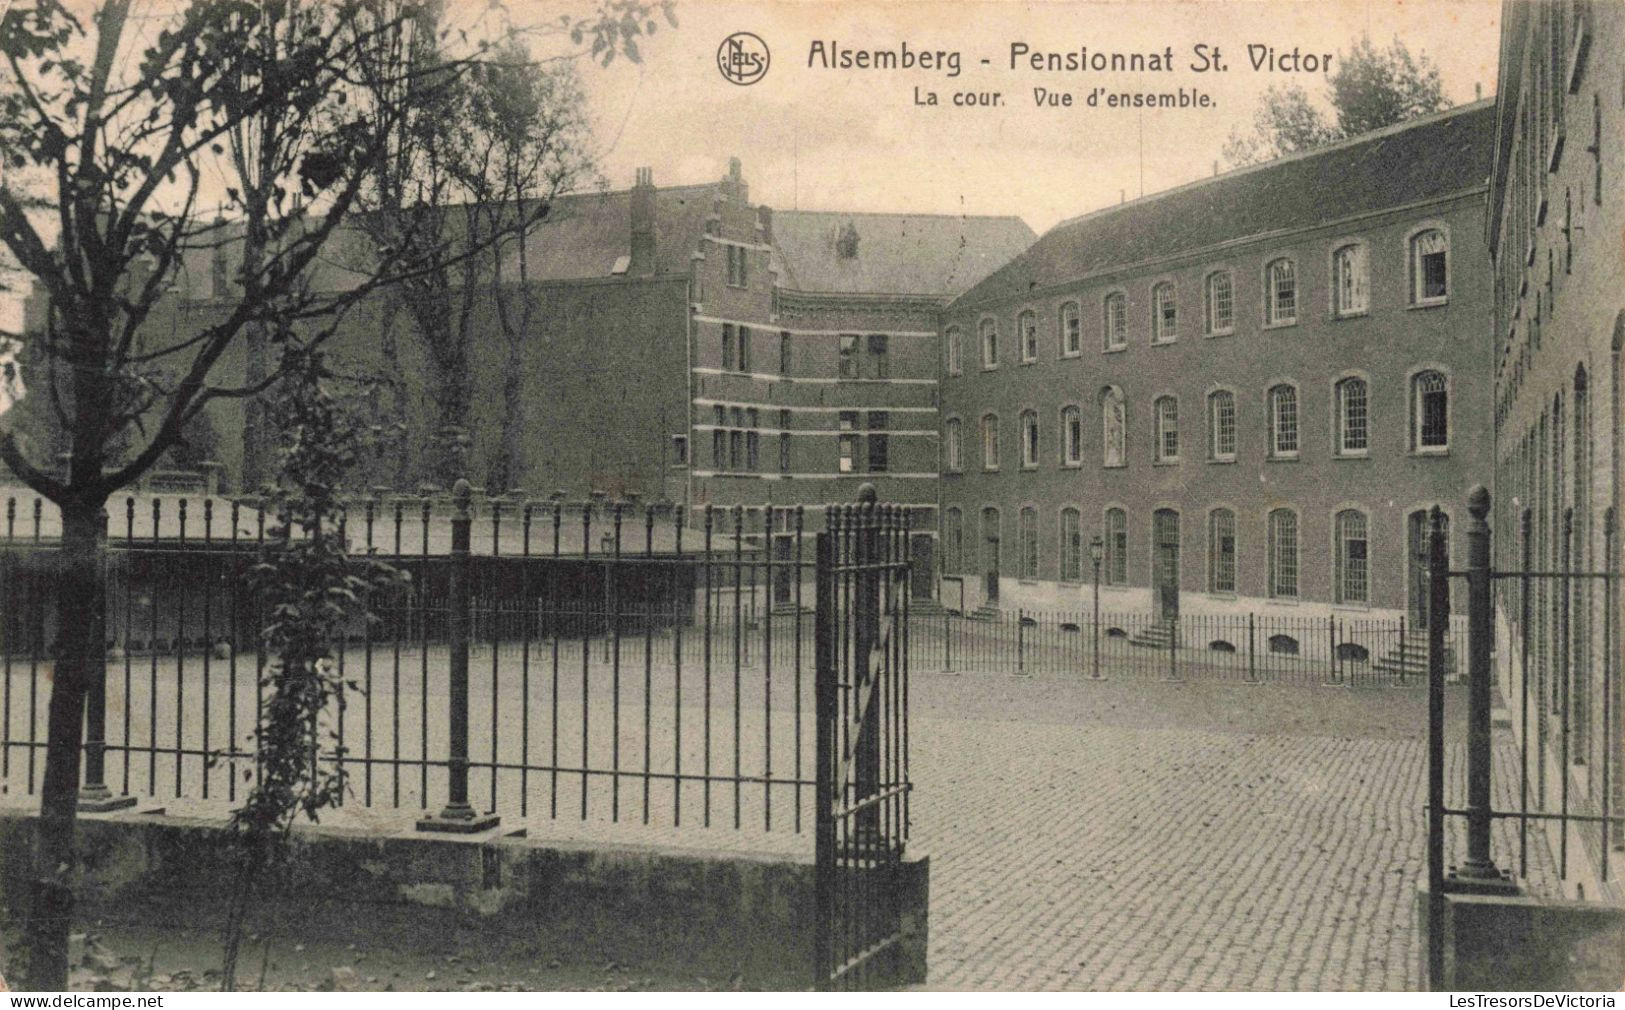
pixel 79 659
pixel 509 471
pixel 256 444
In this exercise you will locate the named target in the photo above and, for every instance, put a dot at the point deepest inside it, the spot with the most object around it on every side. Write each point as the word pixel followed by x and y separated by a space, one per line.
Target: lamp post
pixel 1096 549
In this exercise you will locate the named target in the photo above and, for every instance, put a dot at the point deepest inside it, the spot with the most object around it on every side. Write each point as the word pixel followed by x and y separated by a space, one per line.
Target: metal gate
pixel 862 789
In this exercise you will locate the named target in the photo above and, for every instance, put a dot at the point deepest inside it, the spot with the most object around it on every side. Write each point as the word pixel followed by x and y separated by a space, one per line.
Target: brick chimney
pixel 764 224
pixel 642 262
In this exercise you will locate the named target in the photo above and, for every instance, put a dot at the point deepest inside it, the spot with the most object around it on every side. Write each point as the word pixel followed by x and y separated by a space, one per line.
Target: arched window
pixel 1221 551
pixel 990 441
pixel 1353 571
pixel 1221 420
pixel 1281 296
pixel 1071 330
pixel 990 344
pixel 1283 405
pixel 1116 322
pixel 953 540
pixel 1219 303
pixel 1350 280
pixel 952 446
pixel 1283 550
pixel 1116 547
pixel 1353 417
pixel 1430 412
pixel 956 361
pixel 1027 530
pixel 1071 436
pixel 1029 438
pixel 1071 545
pixel 1166 411
pixel 1027 335
pixel 1430 267
pixel 1164 313
pixel 1113 427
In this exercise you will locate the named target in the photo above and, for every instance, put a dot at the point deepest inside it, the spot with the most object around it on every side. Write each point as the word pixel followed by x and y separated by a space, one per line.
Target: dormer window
pixel 846 244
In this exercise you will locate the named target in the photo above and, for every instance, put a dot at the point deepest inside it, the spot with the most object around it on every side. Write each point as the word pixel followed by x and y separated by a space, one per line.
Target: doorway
pixel 1165 564
pixel 1416 582
pixel 990 554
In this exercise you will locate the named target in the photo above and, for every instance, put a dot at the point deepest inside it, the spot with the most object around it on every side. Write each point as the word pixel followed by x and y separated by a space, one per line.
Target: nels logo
pixel 743 58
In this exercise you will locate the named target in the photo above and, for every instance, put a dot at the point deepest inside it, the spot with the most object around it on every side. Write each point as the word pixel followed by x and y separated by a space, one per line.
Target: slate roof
pixel 1426 158
pixel 584 234
pixel 921 254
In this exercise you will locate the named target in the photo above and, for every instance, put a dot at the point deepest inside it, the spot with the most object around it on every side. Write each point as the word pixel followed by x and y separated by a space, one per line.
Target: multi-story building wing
pixel 1251 388
pixel 1555 218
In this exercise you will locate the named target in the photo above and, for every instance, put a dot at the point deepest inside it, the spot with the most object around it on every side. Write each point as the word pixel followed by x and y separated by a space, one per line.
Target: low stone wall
pixel 720 914
pixel 1495 943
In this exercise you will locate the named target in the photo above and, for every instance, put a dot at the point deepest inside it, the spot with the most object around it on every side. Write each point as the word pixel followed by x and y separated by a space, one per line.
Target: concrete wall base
pixel 1501 943
pixel 720 914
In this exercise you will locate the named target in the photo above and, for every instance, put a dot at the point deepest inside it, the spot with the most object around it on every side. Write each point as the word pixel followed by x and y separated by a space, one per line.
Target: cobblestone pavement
pixel 1143 836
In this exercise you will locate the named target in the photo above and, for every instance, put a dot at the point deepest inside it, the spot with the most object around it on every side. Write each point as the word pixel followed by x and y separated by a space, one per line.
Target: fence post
pixel 458 816
pixel 1021 640
pixel 94 796
pixel 1479 868
pixel 1173 648
pixel 1252 669
pixel 1438 616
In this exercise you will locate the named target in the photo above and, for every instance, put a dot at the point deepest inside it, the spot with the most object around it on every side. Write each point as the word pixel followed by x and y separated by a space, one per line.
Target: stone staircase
pixel 1159 635
pixel 1409 658
pixel 985 613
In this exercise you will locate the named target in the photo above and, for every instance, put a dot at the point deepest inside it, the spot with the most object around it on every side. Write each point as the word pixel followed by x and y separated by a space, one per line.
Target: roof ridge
pixel 1341 145
pixel 777 212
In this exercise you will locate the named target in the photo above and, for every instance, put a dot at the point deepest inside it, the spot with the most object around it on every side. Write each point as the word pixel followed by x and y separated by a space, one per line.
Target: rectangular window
pixel 848 364
pixel 878 421
pixel 784 353
pixel 736 265
pixel 1116 547
pixel 952 448
pixel 1222 544
pixel 1220 303
pixel 879 367
pixel 727 347
pixel 719 437
pixel 1071 546
pixel 1224 425
pixel 784 441
pixel 679 450
pixel 1283 554
pixel 1029 543
pixel 744 348
pixel 736 449
pixel 955 362
pixel 753 450
pixel 849 453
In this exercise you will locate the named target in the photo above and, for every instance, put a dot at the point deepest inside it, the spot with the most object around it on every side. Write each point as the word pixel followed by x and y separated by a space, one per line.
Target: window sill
pixel 1350 456
pixel 1029 361
pixel 1114 350
pixel 1281 459
pixel 1071 354
pixel 1165 342
pixel 1166 462
pixel 1072 466
pixel 1351 608
pixel 1114 466
pixel 1282 324
pixel 1222 460
pixel 1338 317
pixel 1430 453
pixel 1029 467
pixel 1228 332
pixel 1429 303
pixel 990 368
pixel 990 469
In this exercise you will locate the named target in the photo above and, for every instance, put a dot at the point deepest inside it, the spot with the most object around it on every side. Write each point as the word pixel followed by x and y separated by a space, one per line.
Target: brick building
pixel 1250 387
pixel 1556 213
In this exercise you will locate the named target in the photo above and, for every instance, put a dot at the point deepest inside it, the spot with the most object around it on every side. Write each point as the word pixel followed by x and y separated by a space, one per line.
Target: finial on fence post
pixel 867 494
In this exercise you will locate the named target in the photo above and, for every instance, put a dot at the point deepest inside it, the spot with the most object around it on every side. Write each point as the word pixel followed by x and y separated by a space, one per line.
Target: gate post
pixel 458 816
pixel 94 796
pixel 1438 617
pixel 1479 868
pixel 825 656
pixel 866 753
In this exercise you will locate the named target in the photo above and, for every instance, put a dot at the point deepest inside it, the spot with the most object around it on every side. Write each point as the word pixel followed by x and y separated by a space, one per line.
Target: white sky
pixel 853 140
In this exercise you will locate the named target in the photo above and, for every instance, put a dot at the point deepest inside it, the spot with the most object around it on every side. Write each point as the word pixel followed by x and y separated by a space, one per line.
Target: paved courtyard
pixel 1129 834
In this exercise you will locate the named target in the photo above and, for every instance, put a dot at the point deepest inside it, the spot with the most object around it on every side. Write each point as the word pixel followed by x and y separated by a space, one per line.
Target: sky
pixel 855 140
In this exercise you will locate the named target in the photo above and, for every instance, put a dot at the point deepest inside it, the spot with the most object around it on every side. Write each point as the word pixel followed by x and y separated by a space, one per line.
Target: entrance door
pixel 990 553
pixel 1416 582
pixel 922 556
pixel 1165 539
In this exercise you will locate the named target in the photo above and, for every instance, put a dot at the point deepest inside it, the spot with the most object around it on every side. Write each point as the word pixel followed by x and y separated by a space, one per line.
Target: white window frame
pixel 1275 421
pixel 1413 263
pixel 1072 449
pixel 1341 561
pixel 1163 331
pixel 1165 423
pixel 1027 335
pixel 1030 435
pixel 1342 308
pixel 1340 417
pixel 1071 331
pixel 987 343
pixel 1214 452
pixel 1271 294
pixel 1413 384
pixel 989 433
pixel 1114 560
pixel 1209 322
pixel 953 445
pixel 1031 560
pixel 1213 554
pixel 1114 330
pixel 1275 551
